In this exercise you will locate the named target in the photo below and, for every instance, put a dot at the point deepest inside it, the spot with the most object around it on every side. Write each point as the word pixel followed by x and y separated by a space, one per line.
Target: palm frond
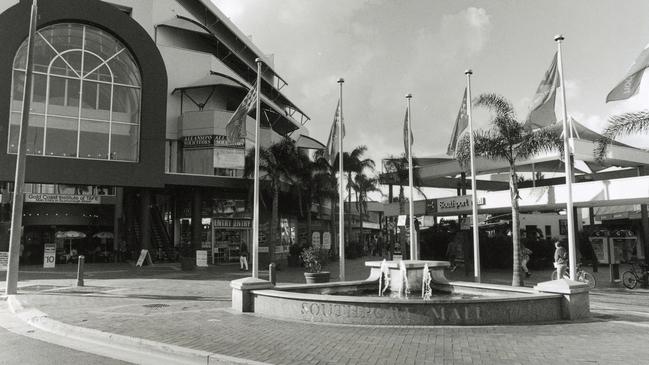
pixel 621 125
pixel 496 103
pixel 542 140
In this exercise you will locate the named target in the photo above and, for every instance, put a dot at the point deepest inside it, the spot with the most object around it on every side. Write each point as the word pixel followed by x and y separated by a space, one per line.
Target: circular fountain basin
pixel 463 303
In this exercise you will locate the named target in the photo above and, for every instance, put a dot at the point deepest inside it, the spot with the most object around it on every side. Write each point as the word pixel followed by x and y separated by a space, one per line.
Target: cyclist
pixel 560 259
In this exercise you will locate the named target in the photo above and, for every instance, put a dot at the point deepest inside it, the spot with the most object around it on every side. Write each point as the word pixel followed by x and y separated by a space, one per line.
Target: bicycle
pixel 638 272
pixel 582 275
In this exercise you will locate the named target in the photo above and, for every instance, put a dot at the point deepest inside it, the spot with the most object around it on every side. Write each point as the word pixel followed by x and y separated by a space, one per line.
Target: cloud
pixel 469 28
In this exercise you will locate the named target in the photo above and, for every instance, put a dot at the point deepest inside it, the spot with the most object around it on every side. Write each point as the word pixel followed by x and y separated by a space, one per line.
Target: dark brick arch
pixel 14 28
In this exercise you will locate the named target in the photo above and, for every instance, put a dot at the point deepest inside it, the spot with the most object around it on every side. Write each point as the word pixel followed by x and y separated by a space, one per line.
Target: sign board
pixel 232 223
pixel 326 241
pixel 263 249
pixel 397 257
pixel 201 258
pixel 144 255
pixel 4 260
pixel 315 240
pixel 206 141
pixel 456 203
pixel 49 255
pixel 229 158
pixel 401 222
pixel 62 198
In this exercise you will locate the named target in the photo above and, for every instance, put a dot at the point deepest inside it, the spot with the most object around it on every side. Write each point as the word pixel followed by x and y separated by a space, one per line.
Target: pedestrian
pixel 525 258
pixel 560 259
pixel 243 256
pixel 454 249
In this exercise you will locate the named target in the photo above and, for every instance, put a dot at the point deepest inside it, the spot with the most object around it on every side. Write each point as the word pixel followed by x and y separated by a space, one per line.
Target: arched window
pixel 86 92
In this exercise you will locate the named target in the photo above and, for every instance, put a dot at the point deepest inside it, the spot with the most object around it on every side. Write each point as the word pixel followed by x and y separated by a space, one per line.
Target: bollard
pixel 272 277
pixel 82 259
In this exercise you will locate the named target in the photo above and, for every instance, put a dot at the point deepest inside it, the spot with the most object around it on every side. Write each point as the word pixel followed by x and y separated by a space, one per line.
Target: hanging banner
pixel 49 256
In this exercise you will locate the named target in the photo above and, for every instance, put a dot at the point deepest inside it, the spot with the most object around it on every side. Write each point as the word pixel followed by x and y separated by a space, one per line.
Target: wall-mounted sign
pixel 229 158
pixel 62 198
pixel 457 203
pixel 206 141
pixel 315 240
pixel 326 241
pixel 232 223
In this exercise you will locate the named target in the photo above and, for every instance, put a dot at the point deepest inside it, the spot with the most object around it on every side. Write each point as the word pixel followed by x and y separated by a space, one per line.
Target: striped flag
pixel 405 134
pixel 461 124
pixel 235 130
pixel 629 86
pixel 542 107
pixel 332 143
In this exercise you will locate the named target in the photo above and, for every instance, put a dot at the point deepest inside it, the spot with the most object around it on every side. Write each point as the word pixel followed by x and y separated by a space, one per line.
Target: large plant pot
pixel 316 277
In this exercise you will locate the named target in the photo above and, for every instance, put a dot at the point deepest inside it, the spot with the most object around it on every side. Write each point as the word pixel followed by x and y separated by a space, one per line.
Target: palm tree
pixel 398 167
pixel 276 165
pixel 362 186
pixel 507 140
pixel 326 186
pixel 353 164
pixel 620 125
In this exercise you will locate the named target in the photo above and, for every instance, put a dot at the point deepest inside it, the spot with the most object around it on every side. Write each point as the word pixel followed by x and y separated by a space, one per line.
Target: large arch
pixel 148 171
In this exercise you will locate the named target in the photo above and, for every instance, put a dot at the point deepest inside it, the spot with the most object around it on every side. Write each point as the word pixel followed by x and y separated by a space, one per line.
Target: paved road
pixel 20 349
pixel 192 310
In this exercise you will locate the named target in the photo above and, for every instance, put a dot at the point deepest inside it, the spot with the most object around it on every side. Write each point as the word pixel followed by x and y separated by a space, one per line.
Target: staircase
pixel 160 238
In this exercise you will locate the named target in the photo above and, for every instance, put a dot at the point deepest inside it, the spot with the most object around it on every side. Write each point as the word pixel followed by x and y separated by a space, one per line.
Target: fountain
pixel 426 290
pixel 384 278
pixel 443 302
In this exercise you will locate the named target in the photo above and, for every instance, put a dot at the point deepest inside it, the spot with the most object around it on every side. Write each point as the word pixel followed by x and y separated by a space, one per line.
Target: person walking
pixel 560 259
pixel 525 258
pixel 243 256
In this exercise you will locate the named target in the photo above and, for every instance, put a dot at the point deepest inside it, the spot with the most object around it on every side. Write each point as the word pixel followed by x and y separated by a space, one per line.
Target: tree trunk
pixel 402 231
pixel 308 221
pixel 513 188
pixel 349 206
pixel 274 224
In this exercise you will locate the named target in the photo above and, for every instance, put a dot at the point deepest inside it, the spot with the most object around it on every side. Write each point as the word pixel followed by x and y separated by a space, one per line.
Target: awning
pixel 309 143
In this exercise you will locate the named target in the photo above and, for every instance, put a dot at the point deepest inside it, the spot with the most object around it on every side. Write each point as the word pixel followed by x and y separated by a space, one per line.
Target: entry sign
pixel 201 258
pixel 4 260
pixel 144 255
pixel 49 255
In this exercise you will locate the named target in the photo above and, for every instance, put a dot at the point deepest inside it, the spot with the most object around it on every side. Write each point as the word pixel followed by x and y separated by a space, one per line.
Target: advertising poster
pixel 326 241
pixel 315 240
pixel 49 255
pixel 4 260
pixel 201 258
pixel 229 158
pixel 600 249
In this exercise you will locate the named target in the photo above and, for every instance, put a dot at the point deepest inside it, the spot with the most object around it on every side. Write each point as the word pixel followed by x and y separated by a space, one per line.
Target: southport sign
pixel 455 204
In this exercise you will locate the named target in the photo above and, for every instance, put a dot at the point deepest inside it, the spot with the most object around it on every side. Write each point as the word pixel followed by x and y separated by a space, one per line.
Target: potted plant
pixel 314 260
pixel 187 257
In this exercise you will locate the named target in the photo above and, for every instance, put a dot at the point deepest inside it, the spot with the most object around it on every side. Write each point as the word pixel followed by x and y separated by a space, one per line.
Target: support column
pixel 644 220
pixel 145 218
pixel 197 226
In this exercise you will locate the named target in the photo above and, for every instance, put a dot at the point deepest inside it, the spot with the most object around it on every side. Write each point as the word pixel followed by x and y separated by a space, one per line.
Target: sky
pixel 385 49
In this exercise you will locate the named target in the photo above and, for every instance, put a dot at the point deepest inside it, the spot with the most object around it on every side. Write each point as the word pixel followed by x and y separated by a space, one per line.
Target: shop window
pixel 86 95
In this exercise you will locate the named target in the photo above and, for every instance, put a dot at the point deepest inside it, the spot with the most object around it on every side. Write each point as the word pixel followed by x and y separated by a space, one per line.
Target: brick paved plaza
pixel 192 310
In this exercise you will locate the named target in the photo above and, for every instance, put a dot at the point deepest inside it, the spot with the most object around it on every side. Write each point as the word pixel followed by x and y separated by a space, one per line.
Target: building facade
pixel 126 141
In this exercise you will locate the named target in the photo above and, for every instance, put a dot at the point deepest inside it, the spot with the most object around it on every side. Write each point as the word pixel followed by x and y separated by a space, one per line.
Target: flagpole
pixel 255 204
pixel 572 259
pixel 474 189
pixel 341 200
pixel 413 244
pixel 21 159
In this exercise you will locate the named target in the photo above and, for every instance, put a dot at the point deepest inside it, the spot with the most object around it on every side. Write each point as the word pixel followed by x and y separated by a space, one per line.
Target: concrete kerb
pixel 170 353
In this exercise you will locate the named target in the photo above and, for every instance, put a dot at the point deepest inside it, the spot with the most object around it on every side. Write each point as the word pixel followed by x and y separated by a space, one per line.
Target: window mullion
pixel 83 57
